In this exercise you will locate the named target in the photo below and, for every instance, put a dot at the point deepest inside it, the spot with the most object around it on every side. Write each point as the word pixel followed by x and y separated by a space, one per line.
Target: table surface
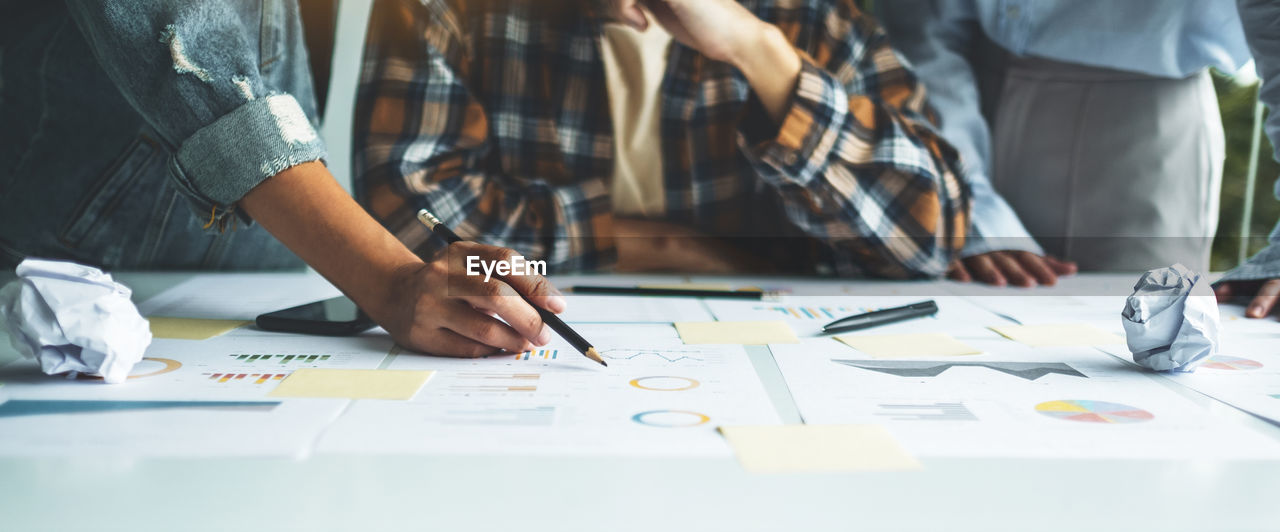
pixel 621 493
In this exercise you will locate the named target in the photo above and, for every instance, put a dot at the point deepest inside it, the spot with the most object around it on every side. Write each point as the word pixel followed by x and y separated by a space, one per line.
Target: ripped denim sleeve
pixel 225 85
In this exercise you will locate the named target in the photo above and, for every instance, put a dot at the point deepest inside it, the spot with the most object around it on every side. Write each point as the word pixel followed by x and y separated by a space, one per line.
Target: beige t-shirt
pixel 635 64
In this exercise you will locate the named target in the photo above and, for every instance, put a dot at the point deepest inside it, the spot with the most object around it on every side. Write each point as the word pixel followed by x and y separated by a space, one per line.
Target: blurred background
pixel 1237 94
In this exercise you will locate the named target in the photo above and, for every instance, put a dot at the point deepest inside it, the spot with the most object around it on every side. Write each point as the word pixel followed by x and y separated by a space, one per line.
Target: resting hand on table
pixel 1018 268
pixel 1265 295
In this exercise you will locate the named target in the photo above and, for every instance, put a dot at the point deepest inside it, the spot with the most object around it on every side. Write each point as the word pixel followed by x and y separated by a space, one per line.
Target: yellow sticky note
pixel 817 449
pixel 191 328
pixel 1058 335
pixel 736 332
pixel 399 385
pixel 908 345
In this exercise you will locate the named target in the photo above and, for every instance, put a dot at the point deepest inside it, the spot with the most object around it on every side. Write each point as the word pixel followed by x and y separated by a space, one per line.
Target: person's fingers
pixel 1036 266
pixel 1061 267
pixel 984 269
pixel 631 13
pixel 526 281
pixel 1265 301
pixel 1011 270
pixel 957 272
pixel 477 326
pixel 1223 291
pixel 539 291
pixel 444 342
pixel 497 297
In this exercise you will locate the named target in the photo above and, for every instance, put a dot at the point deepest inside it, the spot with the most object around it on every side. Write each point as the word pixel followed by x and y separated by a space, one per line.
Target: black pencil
pixel 553 321
pixel 668 292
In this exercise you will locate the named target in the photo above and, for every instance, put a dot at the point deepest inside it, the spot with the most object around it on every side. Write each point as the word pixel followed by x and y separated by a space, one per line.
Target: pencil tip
pixel 595 355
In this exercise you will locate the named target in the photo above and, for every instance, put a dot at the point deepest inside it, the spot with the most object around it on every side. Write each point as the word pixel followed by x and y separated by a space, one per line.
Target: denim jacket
pixel 100 95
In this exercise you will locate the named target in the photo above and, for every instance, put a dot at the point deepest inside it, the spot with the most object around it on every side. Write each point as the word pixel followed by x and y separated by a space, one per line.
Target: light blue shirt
pixel 1165 38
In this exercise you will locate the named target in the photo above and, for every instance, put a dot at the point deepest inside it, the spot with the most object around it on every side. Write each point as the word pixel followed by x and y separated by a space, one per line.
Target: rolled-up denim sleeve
pixel 193 71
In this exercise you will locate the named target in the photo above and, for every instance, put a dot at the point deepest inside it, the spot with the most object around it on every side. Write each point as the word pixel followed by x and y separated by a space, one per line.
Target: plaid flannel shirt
pixel 497 120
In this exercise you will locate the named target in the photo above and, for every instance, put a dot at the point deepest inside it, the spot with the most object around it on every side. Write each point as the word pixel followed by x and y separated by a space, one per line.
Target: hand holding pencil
pixel 534 289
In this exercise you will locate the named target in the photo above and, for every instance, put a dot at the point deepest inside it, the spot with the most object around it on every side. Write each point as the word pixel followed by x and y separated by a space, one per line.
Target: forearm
pixel 772 67
pixel 306 209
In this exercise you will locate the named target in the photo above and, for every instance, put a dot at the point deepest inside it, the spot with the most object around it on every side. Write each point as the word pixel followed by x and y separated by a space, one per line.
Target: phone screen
pixel 336 309
pixel 337 316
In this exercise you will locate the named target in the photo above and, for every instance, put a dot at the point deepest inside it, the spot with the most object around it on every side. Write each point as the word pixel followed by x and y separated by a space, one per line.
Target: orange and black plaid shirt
pixel 496 119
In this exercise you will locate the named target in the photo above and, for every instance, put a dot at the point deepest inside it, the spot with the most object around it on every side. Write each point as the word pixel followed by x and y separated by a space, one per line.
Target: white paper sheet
pixel 655 398
pixel 1244 374
pixel 1013 401
pixel 632 309
pixel 807 314
pixel 127 429
pixel 238 296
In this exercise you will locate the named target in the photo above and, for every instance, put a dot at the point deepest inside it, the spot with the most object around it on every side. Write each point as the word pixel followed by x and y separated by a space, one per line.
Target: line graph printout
pixel 1013 401
pixel 650 400
pixel 807 314
pixel 222 368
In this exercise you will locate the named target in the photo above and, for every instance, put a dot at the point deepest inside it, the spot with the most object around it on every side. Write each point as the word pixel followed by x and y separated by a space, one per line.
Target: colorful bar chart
pixel 255 378
pixel 246 358
pixel 538 354
pixel 811 313
pixel 479 382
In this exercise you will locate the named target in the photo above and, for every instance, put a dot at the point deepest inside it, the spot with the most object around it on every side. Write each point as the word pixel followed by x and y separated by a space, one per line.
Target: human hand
pixel 435 307
pixel 719 29
pixel 1019 268
pixel 1266 294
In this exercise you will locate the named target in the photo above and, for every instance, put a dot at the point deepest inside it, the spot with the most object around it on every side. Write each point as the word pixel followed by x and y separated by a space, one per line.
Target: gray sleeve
pixel 193 71
pixel 1261 20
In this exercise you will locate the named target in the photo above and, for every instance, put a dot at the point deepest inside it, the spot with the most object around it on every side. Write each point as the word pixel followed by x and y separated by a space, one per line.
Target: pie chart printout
pixel 1227 363
pixel 1093 411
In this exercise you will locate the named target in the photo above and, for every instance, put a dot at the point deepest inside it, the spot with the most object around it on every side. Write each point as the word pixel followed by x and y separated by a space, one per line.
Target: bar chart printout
pixel 934 411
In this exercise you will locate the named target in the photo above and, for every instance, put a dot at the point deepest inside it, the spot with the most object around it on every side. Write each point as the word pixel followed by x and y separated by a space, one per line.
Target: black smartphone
pixel 332 317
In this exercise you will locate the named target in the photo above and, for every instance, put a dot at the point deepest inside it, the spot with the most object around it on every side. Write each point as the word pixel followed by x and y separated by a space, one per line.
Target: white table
pixel 615 494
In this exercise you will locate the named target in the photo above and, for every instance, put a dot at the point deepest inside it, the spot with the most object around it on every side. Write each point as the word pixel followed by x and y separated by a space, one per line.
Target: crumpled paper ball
pixel 1171 320
pixel 73 318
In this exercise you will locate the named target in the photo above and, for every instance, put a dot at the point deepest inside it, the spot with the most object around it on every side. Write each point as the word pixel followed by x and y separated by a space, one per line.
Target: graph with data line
pixel 910 368
pixel 672 355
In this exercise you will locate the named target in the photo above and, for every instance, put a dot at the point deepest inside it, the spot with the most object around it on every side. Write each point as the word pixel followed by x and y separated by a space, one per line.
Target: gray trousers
pixel 1113 170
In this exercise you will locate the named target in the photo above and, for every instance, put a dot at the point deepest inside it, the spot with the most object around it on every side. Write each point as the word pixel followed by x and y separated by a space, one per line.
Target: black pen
pixel 668 292
pixel 882 317
pixel 553 321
